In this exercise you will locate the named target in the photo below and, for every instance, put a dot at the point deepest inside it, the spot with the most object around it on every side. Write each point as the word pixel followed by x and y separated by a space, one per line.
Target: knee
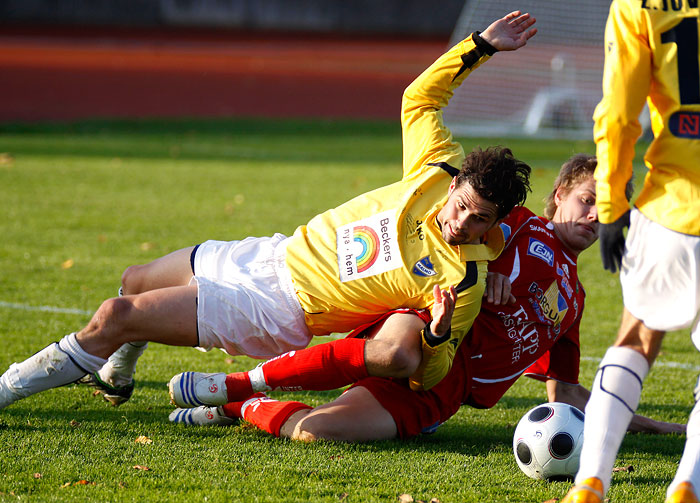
pixel 111 317
pixel 396 360
pixel 132 280
pixel 317 427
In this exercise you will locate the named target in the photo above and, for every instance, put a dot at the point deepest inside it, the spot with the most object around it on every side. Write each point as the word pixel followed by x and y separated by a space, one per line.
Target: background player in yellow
pixel 651 53
pixel 382 250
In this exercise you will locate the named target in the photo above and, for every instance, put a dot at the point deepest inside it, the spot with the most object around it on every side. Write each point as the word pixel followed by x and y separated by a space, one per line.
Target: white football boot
pixel 202 416
pixel 192 389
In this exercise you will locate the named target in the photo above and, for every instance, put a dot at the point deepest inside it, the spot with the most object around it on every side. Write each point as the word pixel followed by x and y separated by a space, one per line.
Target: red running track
pixel 67 75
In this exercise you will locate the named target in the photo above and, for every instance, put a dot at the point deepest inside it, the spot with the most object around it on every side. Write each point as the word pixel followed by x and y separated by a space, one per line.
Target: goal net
pixel 548 89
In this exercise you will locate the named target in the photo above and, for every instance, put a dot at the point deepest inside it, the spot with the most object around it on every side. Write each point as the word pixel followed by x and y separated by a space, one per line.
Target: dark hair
pixel 576 169
pixel 496 176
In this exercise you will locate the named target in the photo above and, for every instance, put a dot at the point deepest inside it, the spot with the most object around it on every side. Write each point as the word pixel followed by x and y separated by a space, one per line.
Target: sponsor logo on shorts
pixel 368 247
pixel 540 250
pixel 685 125
pixel 424 267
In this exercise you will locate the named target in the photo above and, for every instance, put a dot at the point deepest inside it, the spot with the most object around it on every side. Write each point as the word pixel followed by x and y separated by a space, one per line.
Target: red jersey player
pixel 532 328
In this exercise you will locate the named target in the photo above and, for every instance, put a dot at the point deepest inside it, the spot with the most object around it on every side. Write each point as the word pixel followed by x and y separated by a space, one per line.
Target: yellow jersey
pixel 651 54
pixel 383 249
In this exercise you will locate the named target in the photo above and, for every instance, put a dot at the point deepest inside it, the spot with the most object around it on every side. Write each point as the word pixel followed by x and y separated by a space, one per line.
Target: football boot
pixel 683 493
pixel 202 416
pixel 192 389
pixel 116 395
pixel 588 491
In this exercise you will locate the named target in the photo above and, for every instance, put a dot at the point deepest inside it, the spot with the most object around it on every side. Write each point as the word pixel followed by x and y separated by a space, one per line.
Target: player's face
pixel 576 218
pixel 466 215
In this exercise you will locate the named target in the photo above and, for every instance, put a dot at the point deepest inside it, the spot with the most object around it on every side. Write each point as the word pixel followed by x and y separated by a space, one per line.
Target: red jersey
pixel 539 334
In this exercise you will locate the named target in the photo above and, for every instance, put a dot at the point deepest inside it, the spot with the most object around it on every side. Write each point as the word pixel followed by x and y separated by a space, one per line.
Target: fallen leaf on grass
pixel 74 423
pixel 628 468
pixel 141 467
pixel 146 246
pixel 6 159
pixel 79 483
pixel 405 498
pixel 143 440
pixel 68 264
pixel 343 497
pixel 38 475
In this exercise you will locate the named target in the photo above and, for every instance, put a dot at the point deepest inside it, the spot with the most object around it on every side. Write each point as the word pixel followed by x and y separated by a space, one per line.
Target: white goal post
pixel 548 89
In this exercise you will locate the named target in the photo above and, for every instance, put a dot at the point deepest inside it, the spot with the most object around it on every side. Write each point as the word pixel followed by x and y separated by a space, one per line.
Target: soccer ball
pixel 547 441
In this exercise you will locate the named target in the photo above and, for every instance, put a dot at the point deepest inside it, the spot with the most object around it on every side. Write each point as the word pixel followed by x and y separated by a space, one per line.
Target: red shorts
pixel 417 412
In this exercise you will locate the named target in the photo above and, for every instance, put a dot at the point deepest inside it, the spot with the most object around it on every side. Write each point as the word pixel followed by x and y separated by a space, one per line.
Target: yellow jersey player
pixel 651 54
pixel 386 249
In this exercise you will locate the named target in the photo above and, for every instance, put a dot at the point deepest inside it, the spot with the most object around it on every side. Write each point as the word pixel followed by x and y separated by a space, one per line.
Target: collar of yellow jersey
pixel 489 249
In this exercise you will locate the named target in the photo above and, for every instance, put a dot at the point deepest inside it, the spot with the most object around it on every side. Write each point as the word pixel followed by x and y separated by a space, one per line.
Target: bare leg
pixel 167 316
pixel 355 416
pixel 173 269
pixel 395 350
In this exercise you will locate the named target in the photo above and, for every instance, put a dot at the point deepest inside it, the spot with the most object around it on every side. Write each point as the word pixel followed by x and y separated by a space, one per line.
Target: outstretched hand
pixel 442 311
pixel 510 32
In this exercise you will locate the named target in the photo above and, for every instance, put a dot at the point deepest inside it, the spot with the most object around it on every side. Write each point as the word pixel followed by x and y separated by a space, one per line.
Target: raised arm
pixel 426 139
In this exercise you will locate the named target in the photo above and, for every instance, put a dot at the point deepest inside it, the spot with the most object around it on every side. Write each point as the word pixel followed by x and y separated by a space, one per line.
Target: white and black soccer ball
pixel 547 441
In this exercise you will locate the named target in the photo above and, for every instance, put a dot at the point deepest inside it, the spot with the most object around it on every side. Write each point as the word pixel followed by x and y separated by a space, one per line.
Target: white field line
pixel 657 363
pixel 48 309
pixel 82 312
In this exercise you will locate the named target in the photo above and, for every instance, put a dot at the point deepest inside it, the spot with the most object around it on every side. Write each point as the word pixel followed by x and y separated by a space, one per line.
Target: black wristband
pixel 483 46
pixel 433 340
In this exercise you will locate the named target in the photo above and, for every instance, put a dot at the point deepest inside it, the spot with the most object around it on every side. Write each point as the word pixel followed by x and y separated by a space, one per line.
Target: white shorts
pixel 246 303
pixel 659 276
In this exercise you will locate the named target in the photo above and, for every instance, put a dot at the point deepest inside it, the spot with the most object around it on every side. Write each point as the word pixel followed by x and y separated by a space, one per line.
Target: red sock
pixel 267 414
pixel 323 367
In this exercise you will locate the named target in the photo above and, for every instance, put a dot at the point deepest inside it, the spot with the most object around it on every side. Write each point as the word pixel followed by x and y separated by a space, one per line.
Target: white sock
pixel 119 369
pixel 89 363
pixel 57 364
pixel 614 399
pixel 689 467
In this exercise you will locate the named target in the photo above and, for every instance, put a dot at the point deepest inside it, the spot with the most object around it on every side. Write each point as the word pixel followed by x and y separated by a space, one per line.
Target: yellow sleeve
pixel 439 352
pixel 425 137
pixel 626 81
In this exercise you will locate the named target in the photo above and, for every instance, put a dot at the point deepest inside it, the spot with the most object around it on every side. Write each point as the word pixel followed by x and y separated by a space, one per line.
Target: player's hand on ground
pixel 510 32
pixel 498 289
pixel 442 311
pixel 612 242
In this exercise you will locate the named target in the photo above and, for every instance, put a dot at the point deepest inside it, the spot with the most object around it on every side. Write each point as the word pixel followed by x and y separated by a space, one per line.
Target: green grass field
pixel 81 202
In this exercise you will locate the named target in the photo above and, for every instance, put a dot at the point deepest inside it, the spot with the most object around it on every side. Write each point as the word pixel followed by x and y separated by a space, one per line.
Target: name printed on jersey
pixel 368 247
pixel 522 332
pixel 538 249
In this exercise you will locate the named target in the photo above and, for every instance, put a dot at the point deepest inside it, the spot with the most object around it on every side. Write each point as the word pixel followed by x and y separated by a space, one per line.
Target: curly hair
pixel 575 170
pixel 496 176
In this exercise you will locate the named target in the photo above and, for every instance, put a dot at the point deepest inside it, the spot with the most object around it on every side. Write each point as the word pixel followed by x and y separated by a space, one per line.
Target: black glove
pixel 612 242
